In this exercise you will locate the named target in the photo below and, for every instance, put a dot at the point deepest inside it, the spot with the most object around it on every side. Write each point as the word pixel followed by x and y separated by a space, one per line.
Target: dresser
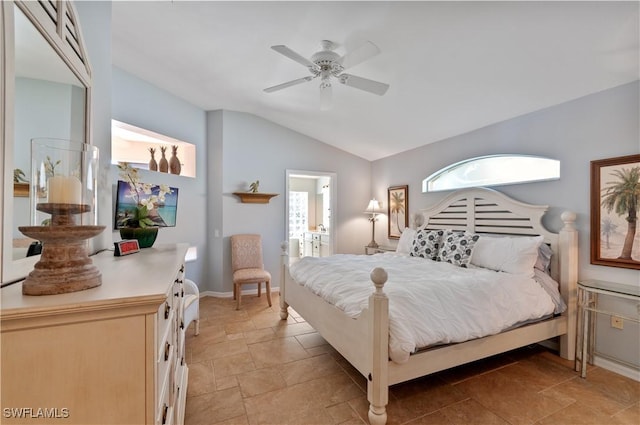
pixel 112 354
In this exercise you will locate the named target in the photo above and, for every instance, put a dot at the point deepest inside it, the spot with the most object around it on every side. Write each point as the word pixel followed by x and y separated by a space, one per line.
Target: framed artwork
pixel 615 205
pixel 398 206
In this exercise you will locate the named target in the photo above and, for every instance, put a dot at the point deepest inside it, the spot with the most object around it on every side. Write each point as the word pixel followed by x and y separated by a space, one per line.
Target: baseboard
pixel 618 368
pixel 230 293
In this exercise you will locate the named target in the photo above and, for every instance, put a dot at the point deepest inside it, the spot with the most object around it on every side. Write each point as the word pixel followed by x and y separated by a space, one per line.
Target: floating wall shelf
pixel 254 198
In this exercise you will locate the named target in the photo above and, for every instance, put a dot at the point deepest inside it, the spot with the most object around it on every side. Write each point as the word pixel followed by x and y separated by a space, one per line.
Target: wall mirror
pixel 46 93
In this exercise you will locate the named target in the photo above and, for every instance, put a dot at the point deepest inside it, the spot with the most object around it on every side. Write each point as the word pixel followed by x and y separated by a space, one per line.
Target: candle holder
pixel 63 216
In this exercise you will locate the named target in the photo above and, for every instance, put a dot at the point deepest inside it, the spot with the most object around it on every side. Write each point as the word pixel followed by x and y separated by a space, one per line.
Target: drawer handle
pixel 165 410
pixel 167 308
pixel 167 349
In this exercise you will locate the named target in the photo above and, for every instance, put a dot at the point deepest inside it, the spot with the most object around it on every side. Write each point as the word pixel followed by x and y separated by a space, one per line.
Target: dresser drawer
pixel 164 317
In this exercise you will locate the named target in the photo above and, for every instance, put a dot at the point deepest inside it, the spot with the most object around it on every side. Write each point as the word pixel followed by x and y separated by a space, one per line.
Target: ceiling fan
pixel 326 64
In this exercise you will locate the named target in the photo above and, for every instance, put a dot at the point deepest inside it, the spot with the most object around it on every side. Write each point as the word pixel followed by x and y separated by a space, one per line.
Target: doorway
pixel 311 212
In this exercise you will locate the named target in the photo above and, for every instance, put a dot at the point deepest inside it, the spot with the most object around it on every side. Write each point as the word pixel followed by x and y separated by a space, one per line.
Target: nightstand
pixel 588 291
pixel 369 250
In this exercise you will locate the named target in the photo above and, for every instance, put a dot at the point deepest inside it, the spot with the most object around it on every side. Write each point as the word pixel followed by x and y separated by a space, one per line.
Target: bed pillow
pixel 457 247
pixel 406 240
pixel 516 255
pixel 426 244
pixel 543 262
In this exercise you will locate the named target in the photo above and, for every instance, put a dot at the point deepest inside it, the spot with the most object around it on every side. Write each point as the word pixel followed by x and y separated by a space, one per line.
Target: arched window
pixel 492 170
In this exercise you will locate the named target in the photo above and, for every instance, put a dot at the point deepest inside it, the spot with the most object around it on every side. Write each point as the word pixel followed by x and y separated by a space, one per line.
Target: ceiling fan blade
pixel 284 50
pixel 288 84
pixel 359 55
pixel 326 96
pixel 365 84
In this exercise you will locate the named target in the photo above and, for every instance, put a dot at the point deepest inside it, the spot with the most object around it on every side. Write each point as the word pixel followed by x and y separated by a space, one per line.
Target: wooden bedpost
pixel 377 385
pixel 284 270
pixel 568 241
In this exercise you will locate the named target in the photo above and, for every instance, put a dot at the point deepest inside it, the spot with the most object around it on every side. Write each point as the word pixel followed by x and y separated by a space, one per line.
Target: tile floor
pixel 250 367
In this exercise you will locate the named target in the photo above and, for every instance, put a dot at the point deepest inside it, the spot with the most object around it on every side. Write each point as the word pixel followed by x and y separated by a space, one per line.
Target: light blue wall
pixel 248 148
pixel 139 103
pixel 602 125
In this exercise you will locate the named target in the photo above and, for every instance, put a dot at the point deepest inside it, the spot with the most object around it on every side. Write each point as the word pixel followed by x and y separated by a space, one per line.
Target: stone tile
pixel 294 329
pixel 239 327
pixel 342 413
pixel 269 320
pixel 585 392
pixel 578 414
pixel 322 349
pixel 233 365
pixel 420 397
pixel 217 351
pixel 470 412
pixel 226 382
pixel 311 340
pixel 214 407
pixel 308 369
pixel 301 403
pixel 277 351
pixel 629 416
pixel 515 401
pixel 239 420
pixel 259 335
pixel 623 390
pixel 260 381
pixel 200 379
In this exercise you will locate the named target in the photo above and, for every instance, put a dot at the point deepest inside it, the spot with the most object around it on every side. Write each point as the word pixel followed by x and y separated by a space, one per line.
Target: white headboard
pixel 482 210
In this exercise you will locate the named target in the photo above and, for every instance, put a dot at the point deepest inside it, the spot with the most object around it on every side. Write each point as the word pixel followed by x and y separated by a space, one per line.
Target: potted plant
pixel 142 221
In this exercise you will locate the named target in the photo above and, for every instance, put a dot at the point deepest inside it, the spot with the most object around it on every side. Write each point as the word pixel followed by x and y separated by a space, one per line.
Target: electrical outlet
pixel 617 322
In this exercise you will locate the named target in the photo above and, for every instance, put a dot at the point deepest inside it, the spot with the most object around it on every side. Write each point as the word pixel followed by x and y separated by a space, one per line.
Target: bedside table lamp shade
pixel 374 209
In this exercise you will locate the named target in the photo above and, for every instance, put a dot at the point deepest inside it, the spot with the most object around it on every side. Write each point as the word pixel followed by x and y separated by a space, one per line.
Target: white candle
pixel 64 190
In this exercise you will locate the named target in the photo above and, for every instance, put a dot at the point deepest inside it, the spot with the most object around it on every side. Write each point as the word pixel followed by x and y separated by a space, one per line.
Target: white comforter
pixel 429 302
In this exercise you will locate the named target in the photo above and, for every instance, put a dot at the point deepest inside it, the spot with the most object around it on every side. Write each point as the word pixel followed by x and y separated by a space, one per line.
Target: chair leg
pixel 269 292
pixel 235 289
pixel 259 289
pixel 238 295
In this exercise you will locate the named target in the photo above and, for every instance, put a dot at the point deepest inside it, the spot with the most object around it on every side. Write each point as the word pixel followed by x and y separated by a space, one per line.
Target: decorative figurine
pixel 163 164
pixel 174 163
pixel 153 165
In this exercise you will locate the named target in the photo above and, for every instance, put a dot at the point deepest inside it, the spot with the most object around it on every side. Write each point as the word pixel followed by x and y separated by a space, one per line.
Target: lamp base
pixel 373 244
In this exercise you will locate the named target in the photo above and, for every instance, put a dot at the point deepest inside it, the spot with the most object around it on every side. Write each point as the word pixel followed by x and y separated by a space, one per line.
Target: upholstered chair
pixel 248 266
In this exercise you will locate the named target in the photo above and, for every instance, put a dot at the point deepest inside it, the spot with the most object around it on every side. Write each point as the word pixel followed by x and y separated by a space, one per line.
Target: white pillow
pixel 516 255
pixel 406 238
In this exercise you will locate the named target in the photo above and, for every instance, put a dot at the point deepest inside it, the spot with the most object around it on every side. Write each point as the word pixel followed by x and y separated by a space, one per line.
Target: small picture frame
pixel 615 231
pixel 397 210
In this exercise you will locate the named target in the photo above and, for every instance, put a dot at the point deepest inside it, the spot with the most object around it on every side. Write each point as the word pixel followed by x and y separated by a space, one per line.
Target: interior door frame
pixel 333 177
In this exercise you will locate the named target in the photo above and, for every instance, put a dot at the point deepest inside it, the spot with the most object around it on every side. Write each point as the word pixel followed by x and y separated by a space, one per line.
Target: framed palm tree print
pixel 398 204
pixel 615 204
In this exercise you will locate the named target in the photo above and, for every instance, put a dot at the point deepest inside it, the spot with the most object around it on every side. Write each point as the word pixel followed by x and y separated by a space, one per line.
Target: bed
pixel 364 340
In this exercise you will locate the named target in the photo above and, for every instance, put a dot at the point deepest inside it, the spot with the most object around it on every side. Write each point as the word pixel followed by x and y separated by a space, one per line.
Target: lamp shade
pixel 373 207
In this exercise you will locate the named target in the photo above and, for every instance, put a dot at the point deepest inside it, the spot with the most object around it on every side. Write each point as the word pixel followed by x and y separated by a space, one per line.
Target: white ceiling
pixel 452 66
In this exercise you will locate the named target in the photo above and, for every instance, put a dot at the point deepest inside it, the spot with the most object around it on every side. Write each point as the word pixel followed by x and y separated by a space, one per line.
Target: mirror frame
pixel 59 25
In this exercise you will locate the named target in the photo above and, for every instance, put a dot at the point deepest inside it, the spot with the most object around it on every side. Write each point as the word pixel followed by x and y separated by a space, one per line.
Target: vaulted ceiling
pixel 452 67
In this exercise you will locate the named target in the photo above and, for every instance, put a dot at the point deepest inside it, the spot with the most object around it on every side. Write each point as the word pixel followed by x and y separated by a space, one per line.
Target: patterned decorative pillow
pixel 457 247
pixel 426 244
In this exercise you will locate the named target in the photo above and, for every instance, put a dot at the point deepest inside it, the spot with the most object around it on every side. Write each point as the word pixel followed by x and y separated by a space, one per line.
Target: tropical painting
pixel 615 196
pixel 398 216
